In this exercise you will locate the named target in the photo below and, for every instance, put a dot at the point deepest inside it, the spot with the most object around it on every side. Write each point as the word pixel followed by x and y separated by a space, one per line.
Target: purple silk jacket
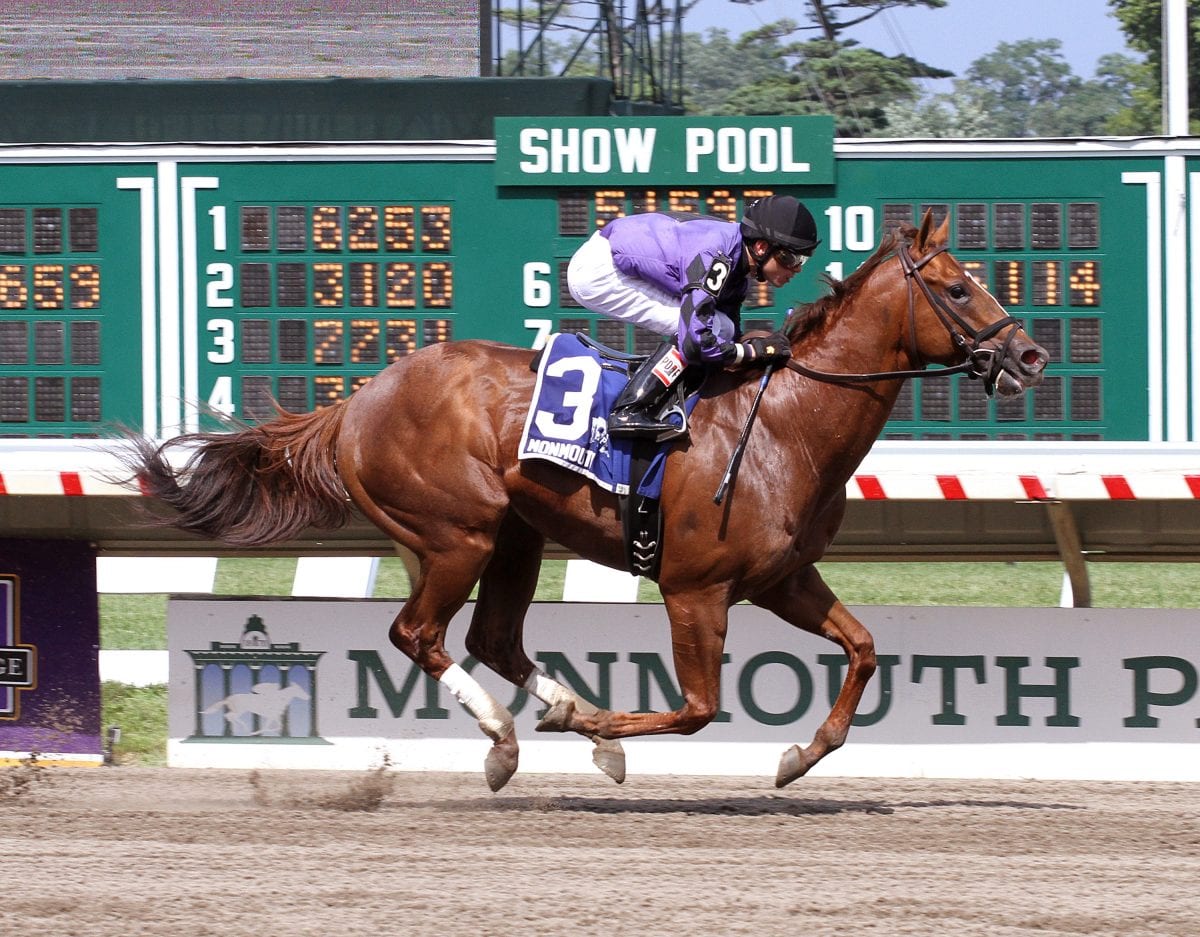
pixel 676 252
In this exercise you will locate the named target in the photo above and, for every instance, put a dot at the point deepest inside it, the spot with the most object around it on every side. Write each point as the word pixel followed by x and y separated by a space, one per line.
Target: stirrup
pixel 635 424
pixel 639 424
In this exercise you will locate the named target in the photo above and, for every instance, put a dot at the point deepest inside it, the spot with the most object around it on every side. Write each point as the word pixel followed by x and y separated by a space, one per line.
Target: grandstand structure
pixel 260 39
pixel 634 44
pixel 266 71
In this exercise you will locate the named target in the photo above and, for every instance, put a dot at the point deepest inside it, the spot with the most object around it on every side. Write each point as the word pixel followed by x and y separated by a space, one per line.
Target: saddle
pixel 640 508
pixel 675 404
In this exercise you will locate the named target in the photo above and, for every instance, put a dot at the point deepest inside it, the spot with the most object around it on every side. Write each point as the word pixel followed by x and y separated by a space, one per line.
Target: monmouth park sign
pixel 959 692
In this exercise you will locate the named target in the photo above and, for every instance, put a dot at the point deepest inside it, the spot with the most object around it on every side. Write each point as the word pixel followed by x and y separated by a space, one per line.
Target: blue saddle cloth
pixel 567 422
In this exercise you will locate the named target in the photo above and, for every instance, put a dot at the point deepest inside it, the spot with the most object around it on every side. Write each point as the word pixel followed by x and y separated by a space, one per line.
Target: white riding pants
pixel 599 286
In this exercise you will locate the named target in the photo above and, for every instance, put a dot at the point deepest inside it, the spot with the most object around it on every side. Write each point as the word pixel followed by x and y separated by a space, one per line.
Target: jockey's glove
pixel 770 349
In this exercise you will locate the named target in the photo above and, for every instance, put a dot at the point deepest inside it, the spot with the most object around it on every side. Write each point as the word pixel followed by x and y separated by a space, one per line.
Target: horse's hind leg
pixel 442 587
pixel 497 629
pixel 699 619
pixel 805 601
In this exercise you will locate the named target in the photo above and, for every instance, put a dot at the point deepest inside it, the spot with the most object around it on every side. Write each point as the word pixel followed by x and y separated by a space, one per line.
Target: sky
pixel 954 36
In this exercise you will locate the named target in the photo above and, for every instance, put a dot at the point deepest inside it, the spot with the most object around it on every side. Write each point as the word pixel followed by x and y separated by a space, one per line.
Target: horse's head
pixel 953 318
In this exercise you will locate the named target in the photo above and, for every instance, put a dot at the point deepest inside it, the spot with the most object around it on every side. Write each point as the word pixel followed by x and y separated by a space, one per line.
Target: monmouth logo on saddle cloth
pixel 567 422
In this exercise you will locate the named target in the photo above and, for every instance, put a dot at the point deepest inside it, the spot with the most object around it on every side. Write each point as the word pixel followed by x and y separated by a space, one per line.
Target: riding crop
pixel 736 458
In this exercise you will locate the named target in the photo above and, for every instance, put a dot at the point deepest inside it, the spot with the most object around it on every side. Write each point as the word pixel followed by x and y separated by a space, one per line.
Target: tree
pixel 1141 21
pixel 715 68
pixel 940 115
pixel 1021 84
pixel 1025 89
pixel 758 74
pixel 833 17
pixel 1134 84
pixel 854 84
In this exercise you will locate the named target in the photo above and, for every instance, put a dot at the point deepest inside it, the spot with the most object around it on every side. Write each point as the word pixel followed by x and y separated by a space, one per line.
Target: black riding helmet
pixel 781 220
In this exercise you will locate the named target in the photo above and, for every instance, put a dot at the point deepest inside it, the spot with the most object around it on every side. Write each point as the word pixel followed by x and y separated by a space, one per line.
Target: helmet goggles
pixel 790 259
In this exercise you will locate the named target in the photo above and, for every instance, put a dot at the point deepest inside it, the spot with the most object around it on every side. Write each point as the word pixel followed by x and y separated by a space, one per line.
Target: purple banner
pixel 49 646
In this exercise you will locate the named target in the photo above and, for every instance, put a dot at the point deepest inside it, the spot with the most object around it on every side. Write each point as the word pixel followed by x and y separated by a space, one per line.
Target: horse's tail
pixel 255 486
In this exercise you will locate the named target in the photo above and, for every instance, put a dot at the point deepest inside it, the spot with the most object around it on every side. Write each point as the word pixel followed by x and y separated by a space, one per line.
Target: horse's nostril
pixel 1032 357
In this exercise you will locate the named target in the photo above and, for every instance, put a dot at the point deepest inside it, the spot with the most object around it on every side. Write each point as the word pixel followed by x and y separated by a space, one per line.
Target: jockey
pixel 686 276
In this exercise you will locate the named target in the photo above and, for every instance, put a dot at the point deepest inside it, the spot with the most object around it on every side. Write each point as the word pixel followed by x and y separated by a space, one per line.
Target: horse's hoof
pixel 791 766
pixel 501 762
pixel 558 717
pixel 609 757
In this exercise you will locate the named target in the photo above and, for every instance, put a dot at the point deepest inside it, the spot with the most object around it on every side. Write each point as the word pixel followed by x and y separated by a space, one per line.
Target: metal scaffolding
pixel 636 44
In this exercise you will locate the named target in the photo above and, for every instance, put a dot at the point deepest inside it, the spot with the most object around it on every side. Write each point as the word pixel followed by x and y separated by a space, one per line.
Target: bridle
pixel 980 363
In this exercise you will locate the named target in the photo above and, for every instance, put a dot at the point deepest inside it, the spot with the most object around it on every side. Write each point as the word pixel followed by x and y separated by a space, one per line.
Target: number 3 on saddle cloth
pixel 577 384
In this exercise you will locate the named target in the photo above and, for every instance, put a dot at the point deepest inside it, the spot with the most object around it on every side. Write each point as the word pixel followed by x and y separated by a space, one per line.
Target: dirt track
pixel 140 851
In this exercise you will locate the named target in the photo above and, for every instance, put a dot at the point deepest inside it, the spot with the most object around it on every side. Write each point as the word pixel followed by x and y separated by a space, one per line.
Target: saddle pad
pixel 567 422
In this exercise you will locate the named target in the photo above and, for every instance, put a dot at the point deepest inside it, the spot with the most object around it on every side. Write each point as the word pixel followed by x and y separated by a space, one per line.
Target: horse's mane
pixel 804 318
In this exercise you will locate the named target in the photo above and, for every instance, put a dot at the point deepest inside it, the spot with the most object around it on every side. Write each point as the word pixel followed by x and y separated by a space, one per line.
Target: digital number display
pixel 354 229
pixel 400 281
pixel 1010 282
pixel 1047 283
pixel 1045 226
pixel 327 228
pixel 327 285
pixel 47 292
pixel 364 340
pixel 290 227
pixel 1036 288
pixel 1017 227
pixel 307 278
pixel 253 276
pixel 610 204
pixel 364 284
pixel 399 227
pixel 14 290
pixel 435 228
pixel 723 204
pixel 1084 283
pixel 49 288
pixel 363 224
pixel 85 286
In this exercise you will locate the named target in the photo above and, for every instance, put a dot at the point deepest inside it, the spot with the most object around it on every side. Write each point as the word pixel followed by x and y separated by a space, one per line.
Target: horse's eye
pixel 957 291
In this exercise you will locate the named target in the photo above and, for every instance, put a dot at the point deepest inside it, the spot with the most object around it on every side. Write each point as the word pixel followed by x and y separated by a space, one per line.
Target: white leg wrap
pixel 546 689
pixel 494 719
pixel 551 692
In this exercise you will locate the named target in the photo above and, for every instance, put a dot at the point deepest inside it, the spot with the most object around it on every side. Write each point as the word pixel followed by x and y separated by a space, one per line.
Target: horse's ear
pixel 942 234
pixel 923 232
pixel 928 236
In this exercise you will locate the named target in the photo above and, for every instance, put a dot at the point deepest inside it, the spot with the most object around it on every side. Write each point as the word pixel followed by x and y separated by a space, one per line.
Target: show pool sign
pixel 1043 693
pixel 582 151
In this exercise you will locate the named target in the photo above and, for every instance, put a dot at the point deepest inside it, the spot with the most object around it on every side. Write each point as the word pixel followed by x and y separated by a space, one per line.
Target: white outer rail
pixel 1056 474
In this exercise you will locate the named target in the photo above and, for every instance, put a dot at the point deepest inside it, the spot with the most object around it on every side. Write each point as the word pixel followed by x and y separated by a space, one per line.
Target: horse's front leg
pixel 805 601
pixel 442 586
pixel 698 623
pixel 496 637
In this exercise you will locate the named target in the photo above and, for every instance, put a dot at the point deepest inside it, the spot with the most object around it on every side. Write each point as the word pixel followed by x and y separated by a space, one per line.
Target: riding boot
pixel 633 413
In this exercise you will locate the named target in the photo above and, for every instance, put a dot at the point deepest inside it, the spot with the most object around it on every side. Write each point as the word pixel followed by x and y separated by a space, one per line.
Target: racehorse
pixel 427 450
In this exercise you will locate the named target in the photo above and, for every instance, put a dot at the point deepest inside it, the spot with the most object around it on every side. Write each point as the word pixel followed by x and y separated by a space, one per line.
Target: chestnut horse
pixel 427 450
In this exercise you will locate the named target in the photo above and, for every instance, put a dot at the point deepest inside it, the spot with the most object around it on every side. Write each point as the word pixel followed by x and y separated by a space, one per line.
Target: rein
pixel 978 363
